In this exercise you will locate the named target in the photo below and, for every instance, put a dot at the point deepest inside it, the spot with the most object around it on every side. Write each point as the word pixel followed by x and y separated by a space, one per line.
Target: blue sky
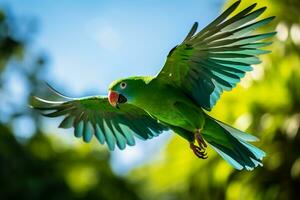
pixel 91 44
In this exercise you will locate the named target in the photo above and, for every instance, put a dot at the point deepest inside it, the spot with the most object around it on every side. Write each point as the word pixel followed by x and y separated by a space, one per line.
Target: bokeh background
pixel 80 47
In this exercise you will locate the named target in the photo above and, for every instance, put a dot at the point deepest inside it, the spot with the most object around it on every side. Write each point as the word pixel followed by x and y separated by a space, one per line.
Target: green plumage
pixel 214 59
pixel 194 76
pixel 95 116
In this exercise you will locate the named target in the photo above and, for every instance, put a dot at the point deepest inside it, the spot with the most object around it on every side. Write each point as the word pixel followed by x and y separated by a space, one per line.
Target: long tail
pixel 232 144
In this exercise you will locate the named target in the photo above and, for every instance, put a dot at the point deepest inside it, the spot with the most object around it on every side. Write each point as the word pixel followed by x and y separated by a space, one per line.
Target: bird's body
pixel 193 78
pixel 150 91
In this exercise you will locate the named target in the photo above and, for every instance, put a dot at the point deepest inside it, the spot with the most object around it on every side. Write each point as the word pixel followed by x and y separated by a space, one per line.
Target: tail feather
pixel 238 133
pixel 232 145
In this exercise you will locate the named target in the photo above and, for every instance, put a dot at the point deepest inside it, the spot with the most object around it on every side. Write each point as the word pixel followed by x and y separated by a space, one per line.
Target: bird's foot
pixel 199 150
pixel 200 153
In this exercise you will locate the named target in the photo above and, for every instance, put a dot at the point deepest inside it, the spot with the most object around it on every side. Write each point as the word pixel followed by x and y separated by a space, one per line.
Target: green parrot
pixel 195 74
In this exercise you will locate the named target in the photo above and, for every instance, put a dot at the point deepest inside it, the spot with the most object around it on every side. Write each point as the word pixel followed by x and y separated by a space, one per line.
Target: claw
pixel 200 140
pixel 200 153
pixel 199 150
pixel 198 137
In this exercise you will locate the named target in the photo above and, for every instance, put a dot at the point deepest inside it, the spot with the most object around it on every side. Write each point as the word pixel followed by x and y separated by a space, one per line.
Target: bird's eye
pixel 123 85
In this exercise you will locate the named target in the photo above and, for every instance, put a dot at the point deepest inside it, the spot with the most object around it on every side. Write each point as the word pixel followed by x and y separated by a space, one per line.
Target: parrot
pixel 179 98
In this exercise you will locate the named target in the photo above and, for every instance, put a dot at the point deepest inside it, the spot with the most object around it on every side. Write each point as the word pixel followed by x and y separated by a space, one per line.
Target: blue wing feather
pixel 95 116
pixel 218 56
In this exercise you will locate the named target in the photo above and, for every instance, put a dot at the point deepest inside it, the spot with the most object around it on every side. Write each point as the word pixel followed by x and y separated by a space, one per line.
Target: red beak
pixel 113 98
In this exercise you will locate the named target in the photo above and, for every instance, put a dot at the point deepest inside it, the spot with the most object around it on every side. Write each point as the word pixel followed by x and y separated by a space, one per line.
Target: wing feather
pixel 94 116
pixel 217 57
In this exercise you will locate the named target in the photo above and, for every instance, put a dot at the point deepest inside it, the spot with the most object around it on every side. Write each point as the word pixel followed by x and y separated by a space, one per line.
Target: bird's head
pixel 126 90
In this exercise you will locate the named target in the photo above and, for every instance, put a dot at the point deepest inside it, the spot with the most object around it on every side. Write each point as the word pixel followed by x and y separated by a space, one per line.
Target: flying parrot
pixel 178 98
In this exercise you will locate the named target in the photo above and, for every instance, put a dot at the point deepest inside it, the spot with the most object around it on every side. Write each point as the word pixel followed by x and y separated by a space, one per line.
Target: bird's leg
pixel 200 140
pixel 199 150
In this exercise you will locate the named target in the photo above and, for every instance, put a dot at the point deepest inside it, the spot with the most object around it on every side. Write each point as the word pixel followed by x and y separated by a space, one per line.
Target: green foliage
pixel 45 168
pixel 9 46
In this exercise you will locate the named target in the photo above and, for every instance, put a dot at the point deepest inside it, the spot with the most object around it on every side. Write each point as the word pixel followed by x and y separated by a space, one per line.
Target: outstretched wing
pixel 216 58
pixel 95 116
